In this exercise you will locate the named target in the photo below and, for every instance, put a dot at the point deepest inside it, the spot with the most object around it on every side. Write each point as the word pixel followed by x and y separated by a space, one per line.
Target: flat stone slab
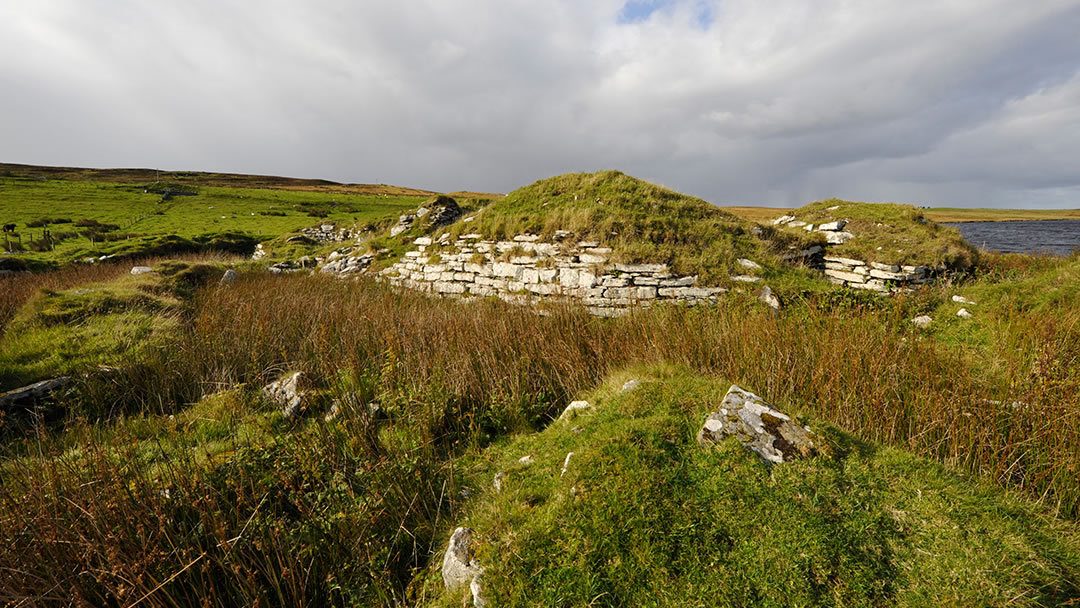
pixel 31 395
pixel 766 431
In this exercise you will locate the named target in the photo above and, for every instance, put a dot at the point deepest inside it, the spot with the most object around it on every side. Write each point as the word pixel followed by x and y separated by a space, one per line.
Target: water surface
pixel 1059 237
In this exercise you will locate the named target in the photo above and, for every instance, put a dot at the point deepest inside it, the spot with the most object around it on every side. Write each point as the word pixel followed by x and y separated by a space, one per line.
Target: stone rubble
pixel 766 431
pixel 328 233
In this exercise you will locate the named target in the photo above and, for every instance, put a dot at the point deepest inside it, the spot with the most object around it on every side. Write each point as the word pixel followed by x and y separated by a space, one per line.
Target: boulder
pixel 459 569
pixel 764 430
pixel 141 270
pixel 922 321
pixel 832 226
pixel 229 276
pixel 285 393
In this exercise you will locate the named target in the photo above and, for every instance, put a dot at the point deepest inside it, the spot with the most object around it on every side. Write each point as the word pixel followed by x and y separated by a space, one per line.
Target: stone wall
pixel 525 270
pixel 328 233
pixel 881 278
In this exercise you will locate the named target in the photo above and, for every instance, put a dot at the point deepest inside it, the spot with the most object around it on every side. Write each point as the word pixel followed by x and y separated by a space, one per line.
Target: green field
pixel 136 217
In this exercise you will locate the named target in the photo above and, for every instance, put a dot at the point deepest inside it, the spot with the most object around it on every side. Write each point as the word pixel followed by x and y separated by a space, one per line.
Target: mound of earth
pixel 885 233
pixel 640 222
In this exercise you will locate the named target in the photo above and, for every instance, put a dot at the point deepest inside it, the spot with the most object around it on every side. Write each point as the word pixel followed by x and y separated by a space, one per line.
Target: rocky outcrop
pixel 460 570
pixel 766 431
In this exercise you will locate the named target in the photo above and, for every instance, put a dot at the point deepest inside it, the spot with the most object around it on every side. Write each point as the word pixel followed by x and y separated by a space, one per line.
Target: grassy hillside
pixel 644 514
pixel 95 218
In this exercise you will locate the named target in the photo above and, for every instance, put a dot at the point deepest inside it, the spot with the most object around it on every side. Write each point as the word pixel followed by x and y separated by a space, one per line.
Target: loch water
pixel 1059 237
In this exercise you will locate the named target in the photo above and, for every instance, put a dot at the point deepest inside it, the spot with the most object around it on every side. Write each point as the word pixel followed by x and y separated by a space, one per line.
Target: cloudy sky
pixel 772 102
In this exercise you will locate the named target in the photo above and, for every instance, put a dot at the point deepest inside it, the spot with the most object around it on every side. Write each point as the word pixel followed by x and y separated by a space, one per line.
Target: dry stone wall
pixel 873 276
pixel 526 269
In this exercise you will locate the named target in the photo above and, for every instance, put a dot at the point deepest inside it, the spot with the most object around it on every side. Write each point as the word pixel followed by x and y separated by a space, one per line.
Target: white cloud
pixel 781 102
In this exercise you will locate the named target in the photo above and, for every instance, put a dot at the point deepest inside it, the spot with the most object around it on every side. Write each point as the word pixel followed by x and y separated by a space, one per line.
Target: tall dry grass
pixel 346 513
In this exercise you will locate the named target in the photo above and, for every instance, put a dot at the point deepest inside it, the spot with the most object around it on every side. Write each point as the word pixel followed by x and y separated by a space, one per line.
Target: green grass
pixel 99 324
pixel 890 234
pixel 259 214
pixel 644 515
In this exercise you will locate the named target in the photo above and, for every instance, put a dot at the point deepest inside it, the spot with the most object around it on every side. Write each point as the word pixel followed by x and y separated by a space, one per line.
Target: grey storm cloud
pixel 967 102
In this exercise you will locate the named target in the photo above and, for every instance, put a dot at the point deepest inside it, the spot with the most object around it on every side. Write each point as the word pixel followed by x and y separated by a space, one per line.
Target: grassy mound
pixel 890 234
pixel 641 222
pixel 644 515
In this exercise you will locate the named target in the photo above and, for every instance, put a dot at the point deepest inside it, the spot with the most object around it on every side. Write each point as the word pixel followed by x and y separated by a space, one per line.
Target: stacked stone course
pixel 526 269
pixel 873 276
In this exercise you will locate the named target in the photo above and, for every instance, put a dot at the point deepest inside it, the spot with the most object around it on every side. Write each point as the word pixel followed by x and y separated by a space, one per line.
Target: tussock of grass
pixel 890 234
pixel 643 511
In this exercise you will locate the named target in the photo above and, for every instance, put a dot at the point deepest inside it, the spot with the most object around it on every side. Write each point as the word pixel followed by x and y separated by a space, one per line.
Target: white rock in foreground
pixel 768 432
pixel 961 300
pixel 459 569
pixel 141 269
pixel 963 313
pixel 922 321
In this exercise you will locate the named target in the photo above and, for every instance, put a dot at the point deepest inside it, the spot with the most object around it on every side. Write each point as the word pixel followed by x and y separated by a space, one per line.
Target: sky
pixel 968 103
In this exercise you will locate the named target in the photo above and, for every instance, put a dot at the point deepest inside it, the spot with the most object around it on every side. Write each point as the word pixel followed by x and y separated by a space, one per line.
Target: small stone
pixel 783 220
pixel 630 385
pixel 963 313
pixel 229 276
pixel 141 269
pixel 527 459
pixel 566 463
pixel 424 241
pixel 498 481
pixel 922 321
pixel 832 226
pixel 961 300
pixel 769 298
pixel 748 264
pixel 574 408
pixel 839 238
pixel 742 278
